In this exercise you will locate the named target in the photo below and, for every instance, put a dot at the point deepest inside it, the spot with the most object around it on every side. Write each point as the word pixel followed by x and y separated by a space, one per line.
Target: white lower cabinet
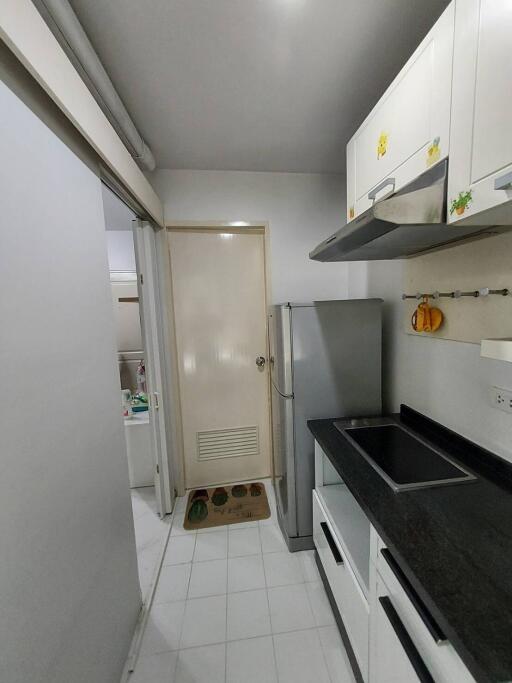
pixel 396 605
pixel 394 637
pixel 390 661
pixel 349 597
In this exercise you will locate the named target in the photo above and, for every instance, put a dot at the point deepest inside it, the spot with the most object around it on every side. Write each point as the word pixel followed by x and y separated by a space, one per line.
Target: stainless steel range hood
pixel 408 222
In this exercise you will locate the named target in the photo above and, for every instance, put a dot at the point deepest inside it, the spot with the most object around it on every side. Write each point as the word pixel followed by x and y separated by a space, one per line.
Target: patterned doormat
pixel 226 505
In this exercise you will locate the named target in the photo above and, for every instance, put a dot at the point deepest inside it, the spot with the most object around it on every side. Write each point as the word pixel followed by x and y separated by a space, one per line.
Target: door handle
pixel 503 182
pixel 429 621
pixel 260 361
pixel 332 545
pixel 373 193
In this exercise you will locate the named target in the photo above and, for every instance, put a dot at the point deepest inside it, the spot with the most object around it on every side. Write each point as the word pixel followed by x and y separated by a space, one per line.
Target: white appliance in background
pixel 325 361
pixel 138 450
pixel 125 296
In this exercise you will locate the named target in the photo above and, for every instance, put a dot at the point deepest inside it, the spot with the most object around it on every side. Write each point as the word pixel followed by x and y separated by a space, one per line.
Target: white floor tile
pixel 180 549
pixel 211 547
pixel 242 525
pixel 320 604
pixel 155 668
pixel 335 655
pixel 173 583
pixel 147 560
pixel 245 573
pixel 282 569
pixel 309 567
pixel 144 500
pixel 248 615
pixel 222 529
pixel 299 657
pixel 244 542
pixel 251 661
pixel 150 534
pixel 208 578
pixel 290 609
pixel 163 629
pixel 272 540
pixel 177 525
pixel 180 503
pixel 149 529
pixel 139 505
pixel 202 665
pixel 204 622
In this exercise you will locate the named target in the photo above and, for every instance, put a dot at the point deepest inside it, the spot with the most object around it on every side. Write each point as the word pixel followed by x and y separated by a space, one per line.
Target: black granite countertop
pixel 454 543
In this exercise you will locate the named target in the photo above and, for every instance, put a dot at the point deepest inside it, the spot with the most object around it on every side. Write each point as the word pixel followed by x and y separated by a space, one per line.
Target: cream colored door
pixel 218 280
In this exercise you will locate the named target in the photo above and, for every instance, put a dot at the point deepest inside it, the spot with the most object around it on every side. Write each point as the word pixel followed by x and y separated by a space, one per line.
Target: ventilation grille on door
pixel 228 443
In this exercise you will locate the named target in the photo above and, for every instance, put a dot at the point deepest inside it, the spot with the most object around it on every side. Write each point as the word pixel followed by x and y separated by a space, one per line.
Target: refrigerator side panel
pixel 336 372
pixel 280 349
pixel 284 470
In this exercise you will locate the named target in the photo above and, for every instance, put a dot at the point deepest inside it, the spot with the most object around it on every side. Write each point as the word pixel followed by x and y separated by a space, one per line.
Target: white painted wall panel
pixel 121 252
pixel 302 209
pixel 69 595
pixel 446 380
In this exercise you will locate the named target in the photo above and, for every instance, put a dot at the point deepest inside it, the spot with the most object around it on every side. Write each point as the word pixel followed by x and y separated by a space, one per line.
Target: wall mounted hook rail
pixel 457 294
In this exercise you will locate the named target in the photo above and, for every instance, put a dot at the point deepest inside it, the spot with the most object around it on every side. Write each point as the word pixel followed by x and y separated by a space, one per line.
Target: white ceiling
pixel 263 85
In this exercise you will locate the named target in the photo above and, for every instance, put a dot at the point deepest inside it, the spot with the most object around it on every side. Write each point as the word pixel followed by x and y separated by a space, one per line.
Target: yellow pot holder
pixel 426 318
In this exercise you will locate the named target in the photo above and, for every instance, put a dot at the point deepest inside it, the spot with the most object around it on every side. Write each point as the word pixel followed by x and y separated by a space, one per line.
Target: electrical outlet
pixel 502 399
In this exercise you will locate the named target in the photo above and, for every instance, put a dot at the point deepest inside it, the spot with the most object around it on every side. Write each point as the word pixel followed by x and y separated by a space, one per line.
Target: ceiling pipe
pixel 64 23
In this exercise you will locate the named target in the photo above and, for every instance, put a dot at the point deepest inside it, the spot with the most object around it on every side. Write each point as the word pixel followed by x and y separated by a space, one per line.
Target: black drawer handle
pixel 429 621
pixel 332 545
pixel 410 650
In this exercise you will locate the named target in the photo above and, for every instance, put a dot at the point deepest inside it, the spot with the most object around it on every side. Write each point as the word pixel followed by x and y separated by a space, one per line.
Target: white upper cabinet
pixel 408 130
pixel 480 173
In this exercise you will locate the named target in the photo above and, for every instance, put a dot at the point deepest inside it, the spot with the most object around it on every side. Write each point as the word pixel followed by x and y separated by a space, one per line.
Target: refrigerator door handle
pixel 280 393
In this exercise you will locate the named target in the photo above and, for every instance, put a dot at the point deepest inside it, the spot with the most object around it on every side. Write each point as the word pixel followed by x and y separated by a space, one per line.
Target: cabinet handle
pixel 372 194
pixel 429 621
pixel 332 545
pixel 410 650
pixel 503 182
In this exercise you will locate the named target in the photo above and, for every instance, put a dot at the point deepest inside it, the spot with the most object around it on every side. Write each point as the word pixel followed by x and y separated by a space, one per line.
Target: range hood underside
pixel 410 240
pixel 411 221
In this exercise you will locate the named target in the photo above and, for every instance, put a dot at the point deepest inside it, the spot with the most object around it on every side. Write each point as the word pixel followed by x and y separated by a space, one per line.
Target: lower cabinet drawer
pixel 433 649
pixel 350 600
pixel 394 658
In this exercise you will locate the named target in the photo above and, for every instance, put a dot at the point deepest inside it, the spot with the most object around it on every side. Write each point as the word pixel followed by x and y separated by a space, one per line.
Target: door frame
pixel 153 324
pixel 238 227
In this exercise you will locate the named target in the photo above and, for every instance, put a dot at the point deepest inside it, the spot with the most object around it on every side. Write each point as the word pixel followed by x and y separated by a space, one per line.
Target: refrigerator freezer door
pixel 281 349
pixel 284 467
pixel 336 371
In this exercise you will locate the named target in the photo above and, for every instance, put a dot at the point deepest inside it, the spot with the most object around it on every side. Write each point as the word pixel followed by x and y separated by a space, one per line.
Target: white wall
pixel 121 252
pixel 446 380
pixel 301 209
pixel 69 594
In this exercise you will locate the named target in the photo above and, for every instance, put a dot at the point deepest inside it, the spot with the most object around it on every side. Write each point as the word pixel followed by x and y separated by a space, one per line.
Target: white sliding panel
pixel 69 588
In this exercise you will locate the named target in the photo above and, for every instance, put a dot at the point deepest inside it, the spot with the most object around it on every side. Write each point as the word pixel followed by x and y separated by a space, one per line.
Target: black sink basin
pixel 403 459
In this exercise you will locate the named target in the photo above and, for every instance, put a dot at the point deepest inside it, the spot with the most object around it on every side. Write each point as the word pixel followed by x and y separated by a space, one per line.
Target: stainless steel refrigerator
pixel 325 361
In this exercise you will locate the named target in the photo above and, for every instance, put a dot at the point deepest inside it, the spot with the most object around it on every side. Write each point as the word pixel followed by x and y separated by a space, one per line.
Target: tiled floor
pixel 232 605
pixel 150 534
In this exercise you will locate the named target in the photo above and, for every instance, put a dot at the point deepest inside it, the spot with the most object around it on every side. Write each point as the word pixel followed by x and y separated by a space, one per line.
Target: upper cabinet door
pixel 408 130
pixel 481 141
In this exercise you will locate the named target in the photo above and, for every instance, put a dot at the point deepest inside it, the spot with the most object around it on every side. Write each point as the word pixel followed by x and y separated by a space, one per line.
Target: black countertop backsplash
pixel 454 543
